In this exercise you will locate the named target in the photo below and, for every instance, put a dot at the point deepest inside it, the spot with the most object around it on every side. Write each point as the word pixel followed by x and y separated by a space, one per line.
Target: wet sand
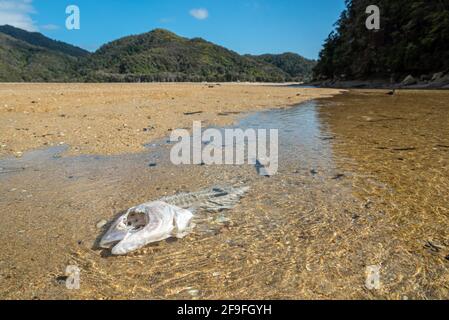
pixel 120 118
pixel 363 180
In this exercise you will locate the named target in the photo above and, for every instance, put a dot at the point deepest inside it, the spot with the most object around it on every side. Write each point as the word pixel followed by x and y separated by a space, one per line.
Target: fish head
pixel 129 223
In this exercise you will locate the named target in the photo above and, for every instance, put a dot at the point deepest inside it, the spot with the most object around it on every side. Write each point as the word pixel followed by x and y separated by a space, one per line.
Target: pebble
pixel 193 292
pixel 216 274
pixel 338 176
pixel 101 224
pixel 222 219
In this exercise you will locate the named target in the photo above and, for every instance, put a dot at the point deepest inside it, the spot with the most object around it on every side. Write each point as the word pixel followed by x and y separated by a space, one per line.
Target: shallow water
pixel 341 201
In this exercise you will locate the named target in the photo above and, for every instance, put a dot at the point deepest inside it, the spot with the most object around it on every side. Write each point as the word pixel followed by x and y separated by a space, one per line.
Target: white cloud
pixel 17 13
pixel 200 14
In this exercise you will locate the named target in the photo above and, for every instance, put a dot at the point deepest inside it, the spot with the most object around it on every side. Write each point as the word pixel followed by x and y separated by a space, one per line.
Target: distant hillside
pixel 296 66
pixel 20 61
pixel 158 55
pixel 39 40
pixel 163 56
pixel 413 39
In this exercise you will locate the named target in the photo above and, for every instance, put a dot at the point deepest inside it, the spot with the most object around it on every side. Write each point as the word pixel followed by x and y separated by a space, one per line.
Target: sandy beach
pixel 120 118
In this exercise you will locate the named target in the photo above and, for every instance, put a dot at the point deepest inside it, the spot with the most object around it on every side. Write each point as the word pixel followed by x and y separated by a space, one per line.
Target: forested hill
pixel 21 61
pixel 39 40
pixel 296 66
pixel 161 55
pixel 413 39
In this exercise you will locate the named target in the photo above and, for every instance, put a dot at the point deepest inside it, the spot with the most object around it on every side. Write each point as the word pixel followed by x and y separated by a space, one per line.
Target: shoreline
pixel 379 84
pixel 111 119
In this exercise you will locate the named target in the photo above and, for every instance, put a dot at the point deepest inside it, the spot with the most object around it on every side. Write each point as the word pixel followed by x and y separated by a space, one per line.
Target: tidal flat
pixel 363 181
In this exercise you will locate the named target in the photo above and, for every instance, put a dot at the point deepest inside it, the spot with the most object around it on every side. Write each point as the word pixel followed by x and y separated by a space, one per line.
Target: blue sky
pixel 245 26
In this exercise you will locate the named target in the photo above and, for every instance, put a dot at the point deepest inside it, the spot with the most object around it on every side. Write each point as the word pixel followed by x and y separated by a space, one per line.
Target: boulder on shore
pixel 437 76
pixel 409 80
pixel 442 80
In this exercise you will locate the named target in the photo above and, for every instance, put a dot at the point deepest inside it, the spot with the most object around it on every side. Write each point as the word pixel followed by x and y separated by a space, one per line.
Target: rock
pixel 338 176
pixel 152 165
pixel 222 220
pixel 424 78
pixel 409 80
pixel 101 224
pixel 313 172
pixel 193 113
pixel 263 168
pixel 391 93
pixel 437 76
pixel 193 292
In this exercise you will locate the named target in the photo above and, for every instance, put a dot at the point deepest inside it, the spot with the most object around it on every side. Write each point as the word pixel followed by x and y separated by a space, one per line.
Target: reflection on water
pixel 308 232
pixel 300 134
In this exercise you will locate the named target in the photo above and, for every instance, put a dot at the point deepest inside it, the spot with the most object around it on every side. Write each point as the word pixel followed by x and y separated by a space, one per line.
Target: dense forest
pixel 413 39
pixel 21 61
pixel 159 55
pixel 296 66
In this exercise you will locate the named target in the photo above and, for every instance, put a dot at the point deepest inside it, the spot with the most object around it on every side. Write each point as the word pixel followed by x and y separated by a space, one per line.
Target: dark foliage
pixel 413 39
pixel 20 61
pixel 163 56
pixel 296 66
pixel 39 40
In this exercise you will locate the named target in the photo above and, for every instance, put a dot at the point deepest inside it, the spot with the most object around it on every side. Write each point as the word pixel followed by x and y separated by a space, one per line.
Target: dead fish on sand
pixel 170 217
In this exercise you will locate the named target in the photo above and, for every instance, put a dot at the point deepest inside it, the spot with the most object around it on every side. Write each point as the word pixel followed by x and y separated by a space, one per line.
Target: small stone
pixel 193 292
pixel 152 165
pixel 222 219
pixel 313 172
pixel 437 76
pixel 409 80
pixel 101 224
pixel 216 274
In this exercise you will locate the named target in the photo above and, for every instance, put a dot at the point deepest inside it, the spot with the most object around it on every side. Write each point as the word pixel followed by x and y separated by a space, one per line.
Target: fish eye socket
pixel 136 221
